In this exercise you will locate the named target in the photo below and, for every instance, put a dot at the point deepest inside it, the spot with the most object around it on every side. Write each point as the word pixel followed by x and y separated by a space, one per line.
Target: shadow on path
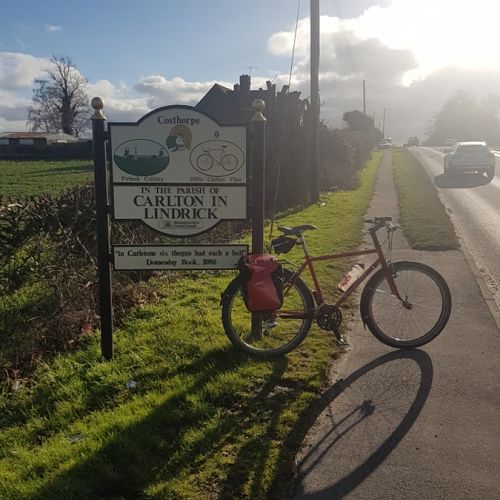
pixel 354 411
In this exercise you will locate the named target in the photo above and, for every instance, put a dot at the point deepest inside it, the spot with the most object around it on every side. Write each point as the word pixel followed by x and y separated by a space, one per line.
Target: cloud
pixel 412 85
pixel 17 74
pixel 160 91
pixel 354 8
pixel 121 102
pixel 50 28
pixel 18 70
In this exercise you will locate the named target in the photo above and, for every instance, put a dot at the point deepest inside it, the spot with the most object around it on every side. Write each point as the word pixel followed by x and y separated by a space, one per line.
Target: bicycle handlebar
pixel 376 220
pixel 380 222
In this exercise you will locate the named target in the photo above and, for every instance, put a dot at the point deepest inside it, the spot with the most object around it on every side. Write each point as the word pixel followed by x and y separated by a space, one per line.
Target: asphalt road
pixel 410 425
pixel 474 206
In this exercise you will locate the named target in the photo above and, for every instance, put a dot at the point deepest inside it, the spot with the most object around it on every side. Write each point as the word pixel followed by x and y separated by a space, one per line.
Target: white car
pixel 470 157
pixel 385 144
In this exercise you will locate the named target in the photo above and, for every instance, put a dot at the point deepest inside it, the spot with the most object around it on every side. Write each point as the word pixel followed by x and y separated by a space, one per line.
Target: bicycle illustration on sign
pixel 217 158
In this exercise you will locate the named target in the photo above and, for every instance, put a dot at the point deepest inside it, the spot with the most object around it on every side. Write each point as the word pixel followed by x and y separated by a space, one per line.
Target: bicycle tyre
pixel 229 163
pixel 281 339
pixel 204 162
pixel 422 287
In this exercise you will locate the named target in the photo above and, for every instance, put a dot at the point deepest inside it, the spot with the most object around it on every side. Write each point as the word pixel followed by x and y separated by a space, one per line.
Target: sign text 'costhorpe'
pixel 177 120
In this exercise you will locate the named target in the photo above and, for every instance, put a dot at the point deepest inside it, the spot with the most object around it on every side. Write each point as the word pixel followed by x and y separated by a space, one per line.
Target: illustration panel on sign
pixel 178 145
pixel 141 157
pixel 217 158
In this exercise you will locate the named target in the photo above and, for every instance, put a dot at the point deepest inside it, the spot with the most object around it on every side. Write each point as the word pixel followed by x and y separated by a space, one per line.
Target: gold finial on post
pixel 258 106
pixel 97 103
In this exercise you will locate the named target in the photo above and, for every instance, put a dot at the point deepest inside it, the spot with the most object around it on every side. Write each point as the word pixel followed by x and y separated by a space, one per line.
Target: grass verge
pixel 422 215
pixel 31 178
pixel 178 413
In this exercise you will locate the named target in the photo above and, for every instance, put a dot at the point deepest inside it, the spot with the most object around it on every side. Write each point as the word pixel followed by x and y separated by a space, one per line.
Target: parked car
pixel 385 144
pixel 470 157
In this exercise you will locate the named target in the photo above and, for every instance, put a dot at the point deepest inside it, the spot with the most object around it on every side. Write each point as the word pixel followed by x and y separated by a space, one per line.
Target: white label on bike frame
pixel 179 145
pixel 180 257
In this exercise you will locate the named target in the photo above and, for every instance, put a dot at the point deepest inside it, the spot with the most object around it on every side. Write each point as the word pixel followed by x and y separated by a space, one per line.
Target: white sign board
pixel 178 171
pixel 179 210
pixel 181 257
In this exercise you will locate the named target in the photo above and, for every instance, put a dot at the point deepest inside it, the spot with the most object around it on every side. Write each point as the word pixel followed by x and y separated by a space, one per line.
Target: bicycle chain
pixel 328 317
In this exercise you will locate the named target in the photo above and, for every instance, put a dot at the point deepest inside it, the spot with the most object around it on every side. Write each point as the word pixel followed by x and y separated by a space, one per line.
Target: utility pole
pixel 314 146
pixel 383 126
pixel 364 98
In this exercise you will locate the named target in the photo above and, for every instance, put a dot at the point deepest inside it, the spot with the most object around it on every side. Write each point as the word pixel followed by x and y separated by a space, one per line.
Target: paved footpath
pixel 421 424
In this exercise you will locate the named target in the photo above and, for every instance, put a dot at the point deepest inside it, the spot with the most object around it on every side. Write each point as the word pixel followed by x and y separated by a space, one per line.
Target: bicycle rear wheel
pixel 414 322
pixel 273 334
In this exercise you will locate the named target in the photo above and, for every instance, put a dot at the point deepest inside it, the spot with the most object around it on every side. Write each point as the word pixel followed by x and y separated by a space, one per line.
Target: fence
pixel 55 151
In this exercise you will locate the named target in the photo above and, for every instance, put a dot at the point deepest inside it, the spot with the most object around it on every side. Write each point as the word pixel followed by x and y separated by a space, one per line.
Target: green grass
pixel 422 215
pixel 204 420
pixel 28 178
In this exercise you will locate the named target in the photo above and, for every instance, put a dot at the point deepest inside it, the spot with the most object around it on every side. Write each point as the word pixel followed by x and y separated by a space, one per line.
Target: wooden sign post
pixel 102 220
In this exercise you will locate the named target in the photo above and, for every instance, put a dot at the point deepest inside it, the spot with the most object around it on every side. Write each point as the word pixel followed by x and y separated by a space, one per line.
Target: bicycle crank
pixel 328 317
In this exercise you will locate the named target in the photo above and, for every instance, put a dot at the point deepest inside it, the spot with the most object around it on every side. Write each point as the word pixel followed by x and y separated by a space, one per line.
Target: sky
pixel 413 54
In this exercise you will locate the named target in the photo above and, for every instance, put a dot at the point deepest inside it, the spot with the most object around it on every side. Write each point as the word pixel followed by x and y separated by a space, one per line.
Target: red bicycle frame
pixel 318 294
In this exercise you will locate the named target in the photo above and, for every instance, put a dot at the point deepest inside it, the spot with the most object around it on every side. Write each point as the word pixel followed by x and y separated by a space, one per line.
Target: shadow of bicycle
pixel 362 419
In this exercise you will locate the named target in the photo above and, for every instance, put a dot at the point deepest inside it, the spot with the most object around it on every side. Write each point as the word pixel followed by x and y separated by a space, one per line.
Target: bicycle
pixel 404 304
pixel 227 161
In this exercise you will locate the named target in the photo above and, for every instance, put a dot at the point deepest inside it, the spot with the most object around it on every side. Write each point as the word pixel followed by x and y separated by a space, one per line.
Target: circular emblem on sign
pixel 217 158
pixel 179 138
pixel 141 157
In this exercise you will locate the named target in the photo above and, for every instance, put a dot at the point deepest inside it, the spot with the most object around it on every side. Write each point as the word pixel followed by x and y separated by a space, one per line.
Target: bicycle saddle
pixel 297 230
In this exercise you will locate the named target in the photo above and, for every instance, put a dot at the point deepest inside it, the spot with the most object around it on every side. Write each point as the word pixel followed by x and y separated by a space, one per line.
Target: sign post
pixel 102 220
pixel 259 160
pixel 258 185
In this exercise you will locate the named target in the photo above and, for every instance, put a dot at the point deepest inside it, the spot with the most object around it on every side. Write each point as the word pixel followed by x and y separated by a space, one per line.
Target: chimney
pixel 245 85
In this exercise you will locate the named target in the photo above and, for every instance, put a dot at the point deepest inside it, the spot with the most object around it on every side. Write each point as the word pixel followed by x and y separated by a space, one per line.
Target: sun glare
pixel 440 33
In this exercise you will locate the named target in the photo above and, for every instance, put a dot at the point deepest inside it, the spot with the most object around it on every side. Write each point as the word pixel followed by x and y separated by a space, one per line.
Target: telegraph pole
pixel 383 125
pixel 314 146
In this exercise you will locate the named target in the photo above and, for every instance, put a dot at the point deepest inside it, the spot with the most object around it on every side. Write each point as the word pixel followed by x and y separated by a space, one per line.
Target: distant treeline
pixel 462 118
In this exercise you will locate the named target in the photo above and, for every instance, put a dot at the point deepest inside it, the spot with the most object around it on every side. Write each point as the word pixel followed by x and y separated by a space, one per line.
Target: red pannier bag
pixel 262 282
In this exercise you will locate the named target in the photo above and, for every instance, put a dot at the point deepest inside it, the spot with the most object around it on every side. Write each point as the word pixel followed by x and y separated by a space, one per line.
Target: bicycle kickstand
pixel 339 338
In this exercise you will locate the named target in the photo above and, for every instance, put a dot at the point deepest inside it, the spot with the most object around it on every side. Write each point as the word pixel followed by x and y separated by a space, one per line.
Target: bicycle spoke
pixel 418 315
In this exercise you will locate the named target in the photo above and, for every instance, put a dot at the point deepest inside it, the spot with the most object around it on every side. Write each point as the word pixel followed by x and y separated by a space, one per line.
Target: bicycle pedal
pixel 269 323
pixel 342 341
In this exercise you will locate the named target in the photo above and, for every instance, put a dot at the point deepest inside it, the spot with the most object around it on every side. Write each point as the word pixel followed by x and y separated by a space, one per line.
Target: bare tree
pixel 60 101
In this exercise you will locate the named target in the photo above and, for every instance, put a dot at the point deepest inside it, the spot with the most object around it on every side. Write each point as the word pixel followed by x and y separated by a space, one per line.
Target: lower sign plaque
pixel 179 257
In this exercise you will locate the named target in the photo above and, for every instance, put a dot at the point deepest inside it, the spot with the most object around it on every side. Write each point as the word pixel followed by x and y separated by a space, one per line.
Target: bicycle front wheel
pixel 418 318
pixel 229 163
pixel 268 334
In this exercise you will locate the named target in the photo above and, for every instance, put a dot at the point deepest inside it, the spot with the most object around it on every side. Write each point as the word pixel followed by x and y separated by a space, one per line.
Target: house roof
pixel 51 137
pixel 23 135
